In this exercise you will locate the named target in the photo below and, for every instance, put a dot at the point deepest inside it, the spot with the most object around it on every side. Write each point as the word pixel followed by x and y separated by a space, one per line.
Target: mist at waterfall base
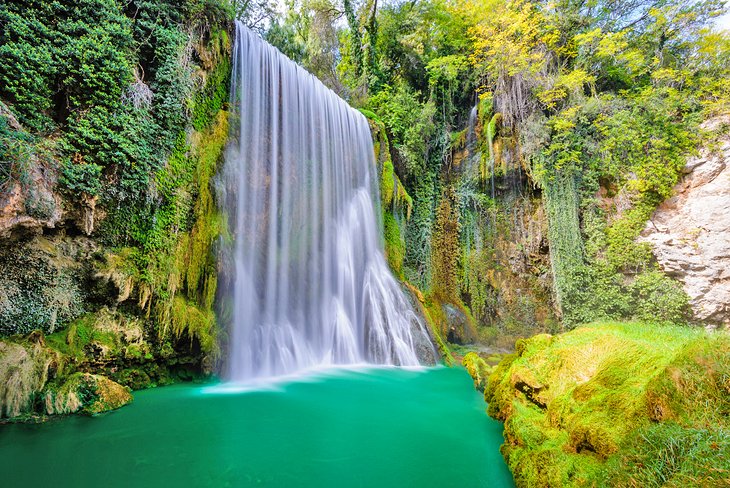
pixel 310 285
pixel 380 427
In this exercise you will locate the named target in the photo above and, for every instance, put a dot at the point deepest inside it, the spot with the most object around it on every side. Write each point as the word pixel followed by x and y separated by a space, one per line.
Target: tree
pixel 255 14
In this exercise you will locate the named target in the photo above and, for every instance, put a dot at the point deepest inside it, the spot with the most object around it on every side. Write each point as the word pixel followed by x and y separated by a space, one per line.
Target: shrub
pixel 658 297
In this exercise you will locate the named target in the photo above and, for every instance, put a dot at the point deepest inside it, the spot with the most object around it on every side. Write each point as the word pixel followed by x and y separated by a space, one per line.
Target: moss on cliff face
pixel 616 405
pixel 123 277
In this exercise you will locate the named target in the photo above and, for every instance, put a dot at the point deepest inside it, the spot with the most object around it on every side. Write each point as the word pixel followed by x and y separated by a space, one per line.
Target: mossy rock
pixel 616 405
pixel 102 336
pixel 478 369
pixel 134 378
pixel 86 393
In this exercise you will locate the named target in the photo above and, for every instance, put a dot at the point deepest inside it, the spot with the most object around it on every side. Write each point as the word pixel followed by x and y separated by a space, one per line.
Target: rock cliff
pixel 690 232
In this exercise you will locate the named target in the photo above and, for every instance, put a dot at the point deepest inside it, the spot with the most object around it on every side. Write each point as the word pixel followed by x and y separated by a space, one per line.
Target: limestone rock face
pixel 690 232
pixel 28 203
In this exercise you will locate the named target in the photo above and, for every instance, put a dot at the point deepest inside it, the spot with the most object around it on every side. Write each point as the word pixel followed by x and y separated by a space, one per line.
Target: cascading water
pixel 309 283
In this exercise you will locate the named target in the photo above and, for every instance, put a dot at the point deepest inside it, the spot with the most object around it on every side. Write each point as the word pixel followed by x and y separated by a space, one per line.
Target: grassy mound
pixel 616 405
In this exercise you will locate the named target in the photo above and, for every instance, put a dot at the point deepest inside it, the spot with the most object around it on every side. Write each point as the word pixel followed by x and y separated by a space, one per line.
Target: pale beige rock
pixel 23 373
pixel 14 212
pixel 690 232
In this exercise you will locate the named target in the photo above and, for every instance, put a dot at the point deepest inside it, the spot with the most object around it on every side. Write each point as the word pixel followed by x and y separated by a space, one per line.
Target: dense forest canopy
pixel 595 97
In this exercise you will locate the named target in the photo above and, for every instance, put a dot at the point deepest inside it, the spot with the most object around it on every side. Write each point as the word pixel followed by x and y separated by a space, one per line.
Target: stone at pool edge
pixel 86 393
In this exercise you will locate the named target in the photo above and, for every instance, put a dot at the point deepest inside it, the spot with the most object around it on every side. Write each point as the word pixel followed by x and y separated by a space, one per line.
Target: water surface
pixel 382 427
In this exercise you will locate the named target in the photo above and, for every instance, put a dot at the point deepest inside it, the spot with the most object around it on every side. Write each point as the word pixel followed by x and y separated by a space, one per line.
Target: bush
pixel 82 178
pixel 35 294
pixel 658 297
pixel 409 121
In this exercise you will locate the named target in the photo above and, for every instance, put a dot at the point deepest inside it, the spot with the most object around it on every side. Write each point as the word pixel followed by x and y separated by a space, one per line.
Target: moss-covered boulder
pixel 86 393
pixel 616 405
pixel 477 368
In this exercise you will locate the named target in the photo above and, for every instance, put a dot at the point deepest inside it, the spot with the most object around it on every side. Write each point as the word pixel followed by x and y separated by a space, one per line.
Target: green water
pixel 342 428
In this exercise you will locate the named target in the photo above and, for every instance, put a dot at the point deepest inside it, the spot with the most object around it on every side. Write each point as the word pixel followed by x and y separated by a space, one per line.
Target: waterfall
pixel 473 155
pixel 309 284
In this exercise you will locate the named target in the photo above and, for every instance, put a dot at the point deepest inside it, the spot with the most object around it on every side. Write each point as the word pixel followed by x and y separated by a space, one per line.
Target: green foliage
pixel 418 234
pixel 121 85
pixel 175 262
pixel 283 35
pixel 604 98
pixel 115 82
pixel 16 149
pixel 659 298
pixel 307 32
pixel 25 55
pixel 621 120
pixel 635 145
pixel 415 35
pixel 616 120
pixel 36 293
pixel 211 99
pixel 80 65
pixel 84 178
pixel 408 121
pixel 566 244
